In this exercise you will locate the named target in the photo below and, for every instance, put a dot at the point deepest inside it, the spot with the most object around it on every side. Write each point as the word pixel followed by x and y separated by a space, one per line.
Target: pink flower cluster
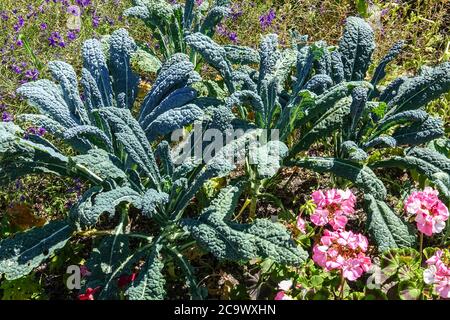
pixel 284 287
pixel 343 250
pixel 430 213
pixel 438 274
pixel 333 207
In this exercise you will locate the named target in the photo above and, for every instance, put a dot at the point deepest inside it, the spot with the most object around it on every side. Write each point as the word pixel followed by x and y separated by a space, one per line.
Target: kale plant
pixel 116 157
pixel 170 22
pixel 316 94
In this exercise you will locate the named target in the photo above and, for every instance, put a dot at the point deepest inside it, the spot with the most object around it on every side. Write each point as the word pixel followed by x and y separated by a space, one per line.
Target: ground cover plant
pixel 290 167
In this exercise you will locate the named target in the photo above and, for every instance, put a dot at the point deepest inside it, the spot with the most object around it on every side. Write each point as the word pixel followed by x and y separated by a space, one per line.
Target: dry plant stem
pixel 341 292
pixel 421 246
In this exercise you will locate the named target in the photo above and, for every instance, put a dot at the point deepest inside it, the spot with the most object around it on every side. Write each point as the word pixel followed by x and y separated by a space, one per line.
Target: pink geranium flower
pixel 89 295
pixel 438 274
pixel 301 224
pixel 281 295
pixel 343 250
pixel 333 207
pixel 126 279
pixel 430 212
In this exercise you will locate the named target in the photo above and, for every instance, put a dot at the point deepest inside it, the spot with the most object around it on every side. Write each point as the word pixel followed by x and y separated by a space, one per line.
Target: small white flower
pixel 429 275
pixel 285 285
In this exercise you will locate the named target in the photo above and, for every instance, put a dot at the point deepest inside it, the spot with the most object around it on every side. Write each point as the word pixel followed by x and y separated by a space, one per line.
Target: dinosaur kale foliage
pixel 169 22
pixel 127 164
pixel 318 94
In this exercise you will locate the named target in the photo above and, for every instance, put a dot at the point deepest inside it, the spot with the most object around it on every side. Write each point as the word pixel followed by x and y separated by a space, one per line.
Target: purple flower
pixel 32 74
pixel 19 43
pixel 235 11
pixel 34 131
pixel 266 20
pixel 71 35
pixel 43 26
pixel 16 69
pixel 55 39
pixel 74 10
pixel 198 2
pixel 19 24
pixel 233 37
pixel 221 30
pixel 83 3
pixel 7 117
pixel 95 20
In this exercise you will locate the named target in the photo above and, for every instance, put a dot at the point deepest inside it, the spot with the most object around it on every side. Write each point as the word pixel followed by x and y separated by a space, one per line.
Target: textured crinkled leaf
pixel 269 56
pixel 418 91
pixel 93 134
pixel 150 283
pixel 241 55
pixel 173 75
pixel 332 120
pixel 124 81
pixel 401 118
pixel 322 63
pixel 102 164
pixel 151 199
pixel 318 83
pixel 162 153
pixel 175 99
pixel 393 52
pixel 48 98
pixel 105 202
pixel 213 54
pixel 27 250
pixel 359 100
pixel 153 12
pixel 243 97
pixel 285 65
pixel 392 89
pixel 129 133
pixel 92 95
pixel 380 142
pixel 442 182
pixel 327 100
pixel 419 132
pixel 351 151
pixel 268 157
pixel 94 61
pixel 435 158
pixel 356 47
pixel 408 162
pixel 172 120
pixel 387 229
pixel 361 175
pixel 143 62
pixel 239 242
pixel 212 19
pixel 65 75
pixel 337 67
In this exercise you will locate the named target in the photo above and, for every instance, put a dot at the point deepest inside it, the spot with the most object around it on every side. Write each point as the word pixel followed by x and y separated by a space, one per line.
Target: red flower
pixel 89 295
pixel 125 280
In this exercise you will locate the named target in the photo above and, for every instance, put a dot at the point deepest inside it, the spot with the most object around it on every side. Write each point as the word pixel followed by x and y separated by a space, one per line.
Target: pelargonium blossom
pixel 438 274
pixel 89 295
pixel 333 207
pixel 301 224
pixel 343 250
pixel 430 212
